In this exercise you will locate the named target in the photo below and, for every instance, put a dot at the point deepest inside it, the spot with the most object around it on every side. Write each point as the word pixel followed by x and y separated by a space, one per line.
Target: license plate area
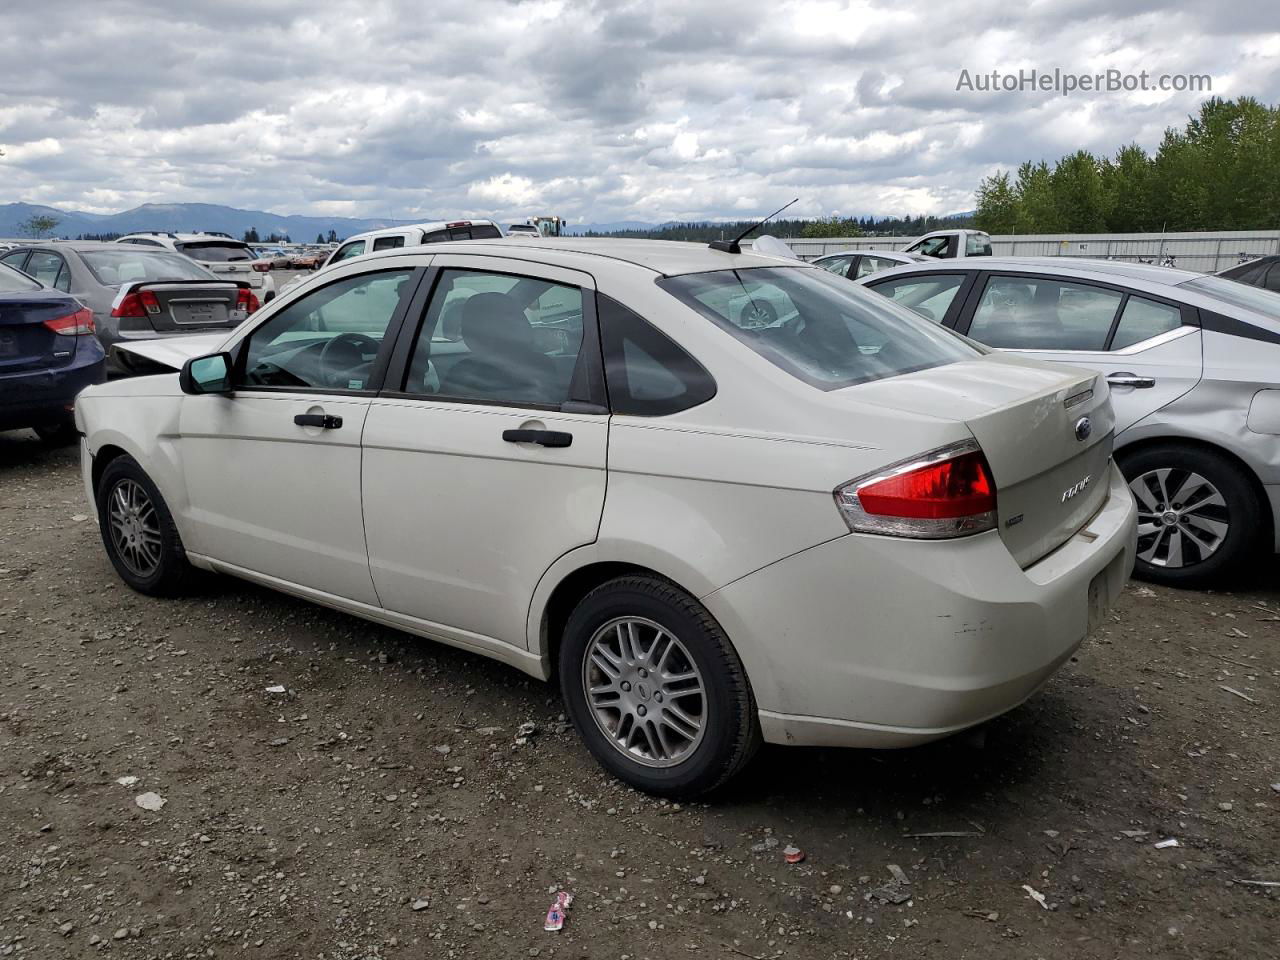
pixel 200 314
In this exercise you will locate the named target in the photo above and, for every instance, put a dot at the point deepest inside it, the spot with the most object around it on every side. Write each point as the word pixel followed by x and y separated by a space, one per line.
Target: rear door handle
pixel 545 438
pixel 1130 380
pixel 322 420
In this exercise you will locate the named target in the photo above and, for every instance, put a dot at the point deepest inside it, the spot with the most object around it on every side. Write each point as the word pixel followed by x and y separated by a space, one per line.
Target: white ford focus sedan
pixel 842 526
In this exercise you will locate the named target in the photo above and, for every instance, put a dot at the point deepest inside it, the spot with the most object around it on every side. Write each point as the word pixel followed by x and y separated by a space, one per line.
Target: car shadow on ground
pixel 22 448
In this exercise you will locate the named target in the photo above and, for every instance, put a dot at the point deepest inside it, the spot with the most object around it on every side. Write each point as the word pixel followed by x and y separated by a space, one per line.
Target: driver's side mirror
pixel 211 374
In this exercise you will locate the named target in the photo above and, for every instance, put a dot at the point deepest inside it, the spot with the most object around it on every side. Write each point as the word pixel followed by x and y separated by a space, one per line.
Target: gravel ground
pixel 387 805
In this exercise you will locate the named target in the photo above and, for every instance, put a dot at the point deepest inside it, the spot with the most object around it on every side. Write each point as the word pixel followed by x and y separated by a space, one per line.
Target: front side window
pixel 824 331
pixel 930 296
pixel 217 252
pixel 1032 313
pixel 15 281
pixel 932 247
pixel 1143 319
pixel 347 251
pixel 50 270
pixel 837 265
pixel 328 339
pixel 114 267
pixel 498 338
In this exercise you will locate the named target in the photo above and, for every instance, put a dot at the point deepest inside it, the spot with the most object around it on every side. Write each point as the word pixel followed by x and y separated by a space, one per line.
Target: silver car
pixel 136 293
pixel 1193 363
pixel 856 264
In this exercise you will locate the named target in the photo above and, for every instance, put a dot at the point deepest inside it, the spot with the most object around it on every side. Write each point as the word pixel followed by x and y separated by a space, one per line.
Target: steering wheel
pixel 343 353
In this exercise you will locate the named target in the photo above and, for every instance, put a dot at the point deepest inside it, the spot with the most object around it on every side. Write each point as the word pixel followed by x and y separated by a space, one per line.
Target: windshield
pixel 1238 294
pixel 132 264
pixel 216 252
pixel 817 327
pixel 15 281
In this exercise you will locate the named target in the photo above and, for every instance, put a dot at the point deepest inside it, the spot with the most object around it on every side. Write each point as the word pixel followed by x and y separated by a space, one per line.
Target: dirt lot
pixel 385 806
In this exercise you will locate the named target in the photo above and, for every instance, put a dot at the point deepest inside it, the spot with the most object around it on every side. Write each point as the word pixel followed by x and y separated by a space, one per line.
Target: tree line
pixel 705 231
pixel 1219 172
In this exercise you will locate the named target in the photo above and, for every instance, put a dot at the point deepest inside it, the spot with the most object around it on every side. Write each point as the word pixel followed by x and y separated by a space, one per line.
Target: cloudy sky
pixel 596 111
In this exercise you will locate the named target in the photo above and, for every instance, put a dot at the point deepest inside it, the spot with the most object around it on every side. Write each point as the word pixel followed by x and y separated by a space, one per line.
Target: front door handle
pixel 545 438
pixel 322 420
pixel 1130 380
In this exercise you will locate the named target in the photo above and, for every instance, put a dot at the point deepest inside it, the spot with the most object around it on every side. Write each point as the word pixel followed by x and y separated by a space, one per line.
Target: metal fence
pixel 1207 252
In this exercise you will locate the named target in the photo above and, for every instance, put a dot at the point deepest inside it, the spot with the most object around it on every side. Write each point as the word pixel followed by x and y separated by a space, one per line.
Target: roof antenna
pixel 732 246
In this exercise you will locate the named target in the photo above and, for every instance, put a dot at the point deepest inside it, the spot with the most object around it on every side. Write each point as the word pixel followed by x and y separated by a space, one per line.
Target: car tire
pixel 58 434
pixel 664 739
pixel 757 314
pixel 1220 510
pixel 138 531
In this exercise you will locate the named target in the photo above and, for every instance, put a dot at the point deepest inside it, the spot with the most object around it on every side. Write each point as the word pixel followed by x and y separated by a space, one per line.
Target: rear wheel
pixel 1199 517
pixel 655 689
pixel 138 531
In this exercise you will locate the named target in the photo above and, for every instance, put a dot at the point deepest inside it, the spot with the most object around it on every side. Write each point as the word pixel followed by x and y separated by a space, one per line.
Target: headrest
pixel 494 323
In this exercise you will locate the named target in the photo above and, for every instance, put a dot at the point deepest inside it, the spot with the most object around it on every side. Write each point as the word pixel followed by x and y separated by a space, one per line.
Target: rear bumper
pixel 881 642
pixel 39 397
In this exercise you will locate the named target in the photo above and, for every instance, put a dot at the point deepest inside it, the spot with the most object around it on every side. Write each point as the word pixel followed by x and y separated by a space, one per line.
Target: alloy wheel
pixel 644 691
pixel 135 528
pixel 1182 517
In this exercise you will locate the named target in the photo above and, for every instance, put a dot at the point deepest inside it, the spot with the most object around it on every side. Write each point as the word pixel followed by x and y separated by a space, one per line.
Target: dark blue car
pixel 48 354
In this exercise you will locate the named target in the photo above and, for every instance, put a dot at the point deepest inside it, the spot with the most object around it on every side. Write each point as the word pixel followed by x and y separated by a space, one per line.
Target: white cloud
pixel 640 109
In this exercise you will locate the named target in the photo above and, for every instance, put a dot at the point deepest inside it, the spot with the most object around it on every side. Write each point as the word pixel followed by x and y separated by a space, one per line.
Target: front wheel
pixel 655 689
pixel 1199 517
pixel 138 531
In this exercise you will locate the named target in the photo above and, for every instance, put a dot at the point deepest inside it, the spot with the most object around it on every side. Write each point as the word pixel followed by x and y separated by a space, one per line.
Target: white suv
pixel 218 252
pixel 437 231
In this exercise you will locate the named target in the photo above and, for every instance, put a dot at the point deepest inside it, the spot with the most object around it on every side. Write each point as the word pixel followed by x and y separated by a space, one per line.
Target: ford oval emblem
pixel 1084 427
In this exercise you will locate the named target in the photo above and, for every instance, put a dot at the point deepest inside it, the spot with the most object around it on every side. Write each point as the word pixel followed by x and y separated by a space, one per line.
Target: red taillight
pixel 246 301
pixel 945 493
pixel 78 324
pixel 140 303
pixel 262 267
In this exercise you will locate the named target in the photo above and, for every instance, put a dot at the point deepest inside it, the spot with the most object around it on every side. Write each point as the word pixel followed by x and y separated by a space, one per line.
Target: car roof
pixel 1165 276
pixel 80 246
pixel 664 257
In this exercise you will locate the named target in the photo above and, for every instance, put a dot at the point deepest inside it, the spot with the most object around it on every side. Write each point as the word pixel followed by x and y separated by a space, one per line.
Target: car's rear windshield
pixel 1238 294
pixel 474 231
pixel 15 281
pixel 817 327
pixel 131 264
pixel 216 252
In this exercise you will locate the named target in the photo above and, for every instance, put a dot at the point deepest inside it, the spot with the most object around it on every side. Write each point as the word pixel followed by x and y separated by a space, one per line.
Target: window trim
pixel 586 385
pixel 377 375
pixel 982 277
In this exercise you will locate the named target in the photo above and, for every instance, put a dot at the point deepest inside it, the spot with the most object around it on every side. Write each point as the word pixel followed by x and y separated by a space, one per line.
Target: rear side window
pixel 216 252
pixel 13 281
pixel 929 296
pixel 869 265
pixel 818 328
pixel 50 270
pixel 1143 319
pixel 15 259
pixel 837 265
pixel 1034 313
pixel 648 374
pixel 976 245
pixel 387 243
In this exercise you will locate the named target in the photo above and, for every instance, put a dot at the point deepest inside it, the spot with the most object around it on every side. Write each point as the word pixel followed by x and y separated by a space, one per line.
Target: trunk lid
pixel 196 305
pixel 25 342
pixel 1049 469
